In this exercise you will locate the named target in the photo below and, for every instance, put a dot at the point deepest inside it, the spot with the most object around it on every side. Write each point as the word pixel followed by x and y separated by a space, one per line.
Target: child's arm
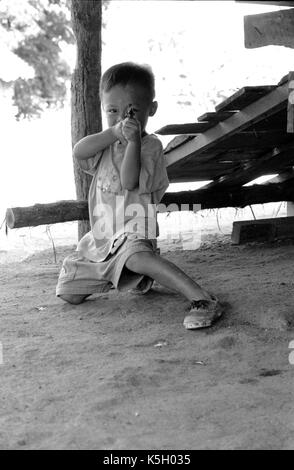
pixel 94 143
pixel 131 164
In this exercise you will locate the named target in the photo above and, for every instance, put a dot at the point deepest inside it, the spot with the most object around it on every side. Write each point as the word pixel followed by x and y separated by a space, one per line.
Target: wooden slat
pixel 216 117
pixel 269 29
pixel 244 97
pixel 266 106
pixel 189 128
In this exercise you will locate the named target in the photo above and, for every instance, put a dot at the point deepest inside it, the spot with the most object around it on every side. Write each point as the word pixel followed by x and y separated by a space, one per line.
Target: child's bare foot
pixel 203 313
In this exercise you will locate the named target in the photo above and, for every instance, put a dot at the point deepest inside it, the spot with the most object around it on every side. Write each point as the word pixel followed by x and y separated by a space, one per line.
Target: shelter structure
pixel 248 135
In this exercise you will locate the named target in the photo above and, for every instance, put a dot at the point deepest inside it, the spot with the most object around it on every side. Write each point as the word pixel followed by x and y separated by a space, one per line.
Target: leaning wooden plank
pixel 46 214
pixel 269 29
pixel 216 117
pixel 244 97
pixel 262 230
pixel 189 128
pixel 255 112
pixel 58 212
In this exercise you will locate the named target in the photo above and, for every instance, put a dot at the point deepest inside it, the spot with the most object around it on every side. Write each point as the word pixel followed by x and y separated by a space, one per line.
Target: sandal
pixel 203 313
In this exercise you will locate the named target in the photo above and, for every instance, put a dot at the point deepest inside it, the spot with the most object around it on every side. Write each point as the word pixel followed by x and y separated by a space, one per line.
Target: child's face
pixel 117 101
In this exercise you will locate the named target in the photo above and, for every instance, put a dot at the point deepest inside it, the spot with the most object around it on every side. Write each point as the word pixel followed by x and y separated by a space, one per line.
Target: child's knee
pixel 138 261
pixel 73 298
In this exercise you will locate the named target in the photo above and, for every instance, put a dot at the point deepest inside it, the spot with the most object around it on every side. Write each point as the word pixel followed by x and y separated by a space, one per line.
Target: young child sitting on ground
pixel 129 180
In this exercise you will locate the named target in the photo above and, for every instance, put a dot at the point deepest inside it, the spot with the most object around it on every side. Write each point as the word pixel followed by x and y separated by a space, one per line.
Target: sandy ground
pixel 121 372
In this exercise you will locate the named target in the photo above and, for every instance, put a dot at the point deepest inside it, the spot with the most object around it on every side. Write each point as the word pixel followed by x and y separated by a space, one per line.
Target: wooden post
pixel 290 115
pixel 85 102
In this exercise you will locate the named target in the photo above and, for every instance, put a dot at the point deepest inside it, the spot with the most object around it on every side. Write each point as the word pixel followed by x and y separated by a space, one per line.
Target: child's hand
pixel 117 130
pixel 131 129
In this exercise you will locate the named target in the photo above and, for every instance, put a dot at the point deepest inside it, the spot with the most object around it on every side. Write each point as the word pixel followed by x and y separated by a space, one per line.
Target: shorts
pixel 81 276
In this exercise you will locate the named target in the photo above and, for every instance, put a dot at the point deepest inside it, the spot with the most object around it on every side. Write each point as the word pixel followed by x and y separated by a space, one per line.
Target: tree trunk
pixel 85 102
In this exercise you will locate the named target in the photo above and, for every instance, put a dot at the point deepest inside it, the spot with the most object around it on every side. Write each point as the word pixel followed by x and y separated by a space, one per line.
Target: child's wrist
pixel 136 140
pixel 114 132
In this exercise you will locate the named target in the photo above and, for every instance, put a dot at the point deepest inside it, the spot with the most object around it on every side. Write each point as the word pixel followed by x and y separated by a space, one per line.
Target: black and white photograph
pixel 146 228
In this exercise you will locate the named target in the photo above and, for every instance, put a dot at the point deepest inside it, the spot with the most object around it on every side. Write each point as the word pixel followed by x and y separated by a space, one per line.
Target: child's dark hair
pixel 129 73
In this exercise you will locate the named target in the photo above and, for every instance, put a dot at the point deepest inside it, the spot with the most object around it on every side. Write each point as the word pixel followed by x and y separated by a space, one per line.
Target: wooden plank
pixel 189 128
pixel 290 112
pixel 262 230
pixel 244 97
pixel 255 112
pixel 269 29
pixel 216 117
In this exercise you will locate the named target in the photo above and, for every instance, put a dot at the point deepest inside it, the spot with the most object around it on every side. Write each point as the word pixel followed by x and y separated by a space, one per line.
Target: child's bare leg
pixel 167 274
pixel 74 298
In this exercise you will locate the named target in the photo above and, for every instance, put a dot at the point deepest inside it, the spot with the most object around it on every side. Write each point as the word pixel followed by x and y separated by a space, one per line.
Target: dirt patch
pixel 121 372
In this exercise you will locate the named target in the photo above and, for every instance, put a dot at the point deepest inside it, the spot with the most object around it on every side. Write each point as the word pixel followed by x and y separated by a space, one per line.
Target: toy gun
pixel 130 112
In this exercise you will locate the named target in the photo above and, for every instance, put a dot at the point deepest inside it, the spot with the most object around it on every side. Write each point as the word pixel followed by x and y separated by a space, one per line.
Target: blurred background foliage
pixel 37 31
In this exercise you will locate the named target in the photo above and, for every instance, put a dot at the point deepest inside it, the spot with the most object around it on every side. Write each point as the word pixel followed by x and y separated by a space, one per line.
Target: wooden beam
pixel 64 211
pixel 269 29
pixel 255 112
pixel 216 117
